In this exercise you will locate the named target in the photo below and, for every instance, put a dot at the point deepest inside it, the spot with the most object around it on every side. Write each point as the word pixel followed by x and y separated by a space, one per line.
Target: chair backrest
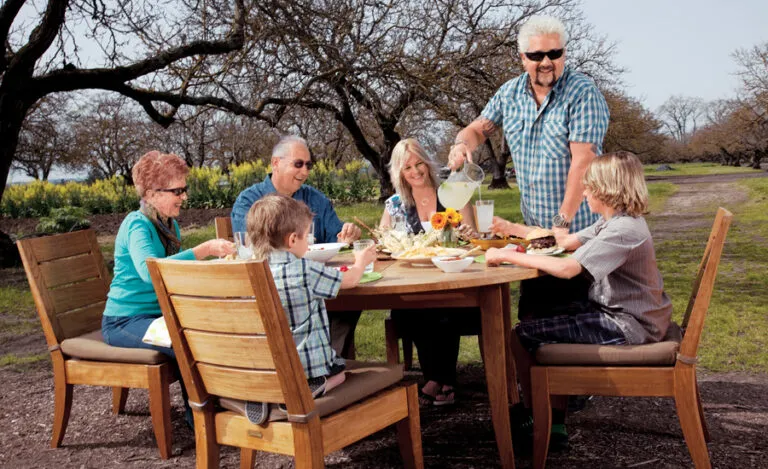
pixel 69 282
pixel 703 284
pixel 230 333
pixel 224 228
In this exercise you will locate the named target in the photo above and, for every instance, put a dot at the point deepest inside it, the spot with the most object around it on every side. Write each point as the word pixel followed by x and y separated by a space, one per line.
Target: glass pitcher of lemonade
pixel 456 191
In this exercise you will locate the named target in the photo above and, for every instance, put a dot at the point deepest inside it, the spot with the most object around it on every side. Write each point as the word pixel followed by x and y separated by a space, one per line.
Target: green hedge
pixel 208 188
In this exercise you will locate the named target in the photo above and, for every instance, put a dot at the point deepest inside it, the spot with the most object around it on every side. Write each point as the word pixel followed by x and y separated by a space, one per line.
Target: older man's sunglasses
pixel 177 191
pixel 298 164
pixel 553 54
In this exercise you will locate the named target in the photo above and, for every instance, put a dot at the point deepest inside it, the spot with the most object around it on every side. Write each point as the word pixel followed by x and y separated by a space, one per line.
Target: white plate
pixel 428 259
pixel 550 253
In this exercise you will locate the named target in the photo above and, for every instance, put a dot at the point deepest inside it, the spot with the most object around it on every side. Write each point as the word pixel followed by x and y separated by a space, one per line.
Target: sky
pixel 671 47
pixel 679 47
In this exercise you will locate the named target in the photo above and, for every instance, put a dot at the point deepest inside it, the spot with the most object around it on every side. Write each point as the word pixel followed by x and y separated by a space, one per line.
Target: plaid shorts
pixel 584 323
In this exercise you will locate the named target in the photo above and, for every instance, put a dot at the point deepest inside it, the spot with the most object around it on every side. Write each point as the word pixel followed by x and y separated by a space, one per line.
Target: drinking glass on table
pixel 398 222
pixel 243 245
pixel 311 236
pixel 484 215
pixel 362 245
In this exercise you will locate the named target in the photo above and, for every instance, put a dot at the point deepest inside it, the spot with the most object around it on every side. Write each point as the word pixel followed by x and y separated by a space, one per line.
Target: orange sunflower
pixel 438 220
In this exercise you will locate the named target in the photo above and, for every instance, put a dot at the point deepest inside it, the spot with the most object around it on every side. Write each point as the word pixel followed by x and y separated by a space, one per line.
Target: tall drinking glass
pixel 362 245
pixel 484 215
pixel 311 236
pixel 398 222
pixel 243 245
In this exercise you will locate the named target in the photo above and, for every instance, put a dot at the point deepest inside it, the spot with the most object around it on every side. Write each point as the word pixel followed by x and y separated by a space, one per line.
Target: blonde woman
pixel 435 333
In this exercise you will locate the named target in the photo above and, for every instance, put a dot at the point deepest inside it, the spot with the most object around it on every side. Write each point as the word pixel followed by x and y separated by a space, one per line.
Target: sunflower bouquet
pixel 446 223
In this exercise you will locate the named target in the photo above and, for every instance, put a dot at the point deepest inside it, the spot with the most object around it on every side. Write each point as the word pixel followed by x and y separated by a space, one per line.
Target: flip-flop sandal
pixel 426 400
pixel 445 397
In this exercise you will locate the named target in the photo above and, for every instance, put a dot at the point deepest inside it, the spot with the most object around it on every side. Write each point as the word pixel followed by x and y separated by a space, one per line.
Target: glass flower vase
pixel 448 238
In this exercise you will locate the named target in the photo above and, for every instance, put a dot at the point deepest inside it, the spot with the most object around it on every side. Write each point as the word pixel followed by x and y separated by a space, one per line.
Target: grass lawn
pixel 736 331
pixel 696 169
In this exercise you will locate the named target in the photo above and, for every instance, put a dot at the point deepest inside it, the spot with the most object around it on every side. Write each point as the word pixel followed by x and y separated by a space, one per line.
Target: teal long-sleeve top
pixel 131 292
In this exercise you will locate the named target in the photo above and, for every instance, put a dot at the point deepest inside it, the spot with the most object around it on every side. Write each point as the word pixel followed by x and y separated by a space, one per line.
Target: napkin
pixel 157 334
pixel 370 277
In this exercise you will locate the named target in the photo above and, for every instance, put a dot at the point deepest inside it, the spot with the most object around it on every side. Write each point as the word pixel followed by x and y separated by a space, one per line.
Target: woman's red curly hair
pixel 155 169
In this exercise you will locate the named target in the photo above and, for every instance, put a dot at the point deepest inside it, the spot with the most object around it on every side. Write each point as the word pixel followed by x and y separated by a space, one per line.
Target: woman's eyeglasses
pixel 298 164
pixel 177 191
pixel 553 54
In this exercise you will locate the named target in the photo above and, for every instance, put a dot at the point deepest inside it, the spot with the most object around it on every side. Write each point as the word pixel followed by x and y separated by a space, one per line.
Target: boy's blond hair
pixel 271 219
pixel 617 180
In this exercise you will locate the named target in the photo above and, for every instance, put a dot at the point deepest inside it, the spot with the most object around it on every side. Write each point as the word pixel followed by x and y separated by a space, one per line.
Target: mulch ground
pixel 608 433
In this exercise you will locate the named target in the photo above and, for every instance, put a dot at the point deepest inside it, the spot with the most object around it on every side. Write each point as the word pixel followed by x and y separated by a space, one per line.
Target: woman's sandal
pixel 426 400
pixel 445 397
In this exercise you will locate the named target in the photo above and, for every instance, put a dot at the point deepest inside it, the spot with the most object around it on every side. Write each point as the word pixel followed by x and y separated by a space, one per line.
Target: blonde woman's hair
pixel 273 218
pixel 617 180
pixel 397 163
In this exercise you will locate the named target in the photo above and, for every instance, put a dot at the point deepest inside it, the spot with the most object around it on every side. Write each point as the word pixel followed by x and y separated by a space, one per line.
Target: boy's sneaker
pixel 521 420
pixel 558 438
pixel 317 386
pixel 257 412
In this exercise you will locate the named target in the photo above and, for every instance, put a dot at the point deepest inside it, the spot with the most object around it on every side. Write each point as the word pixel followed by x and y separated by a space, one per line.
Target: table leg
pixel 514 395
pixel 495 352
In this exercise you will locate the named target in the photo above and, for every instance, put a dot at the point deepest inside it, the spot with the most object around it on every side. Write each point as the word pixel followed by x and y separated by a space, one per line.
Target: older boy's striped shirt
pixel 303 286
pixel 538 138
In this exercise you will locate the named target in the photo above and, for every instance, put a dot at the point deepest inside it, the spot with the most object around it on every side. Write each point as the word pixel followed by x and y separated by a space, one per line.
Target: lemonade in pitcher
pixel 456 191
pixel 455 194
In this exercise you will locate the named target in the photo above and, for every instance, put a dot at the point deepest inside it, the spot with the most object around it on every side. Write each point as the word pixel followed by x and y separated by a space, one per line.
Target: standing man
pixel 291 163
pixel 554 119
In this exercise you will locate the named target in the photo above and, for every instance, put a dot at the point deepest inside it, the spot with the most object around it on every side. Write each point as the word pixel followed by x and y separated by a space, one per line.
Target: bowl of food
pixel 497 242
pixel 323 252
pixel 451 264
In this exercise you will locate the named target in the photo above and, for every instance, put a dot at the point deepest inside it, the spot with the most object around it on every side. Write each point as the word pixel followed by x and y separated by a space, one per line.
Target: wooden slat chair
pixel 224 228
pixel 69 284
pixel 664 369
pixel 233 344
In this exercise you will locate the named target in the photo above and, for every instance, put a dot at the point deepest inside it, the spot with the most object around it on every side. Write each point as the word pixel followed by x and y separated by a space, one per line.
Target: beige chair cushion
pixel 363 379
pixel 657 354
pixel 91 346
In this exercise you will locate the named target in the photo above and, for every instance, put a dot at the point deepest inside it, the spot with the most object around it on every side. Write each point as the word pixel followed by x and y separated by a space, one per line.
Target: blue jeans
pixel 127 331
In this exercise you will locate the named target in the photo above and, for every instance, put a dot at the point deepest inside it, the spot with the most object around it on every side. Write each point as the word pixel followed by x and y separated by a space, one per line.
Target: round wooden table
pixel 405 285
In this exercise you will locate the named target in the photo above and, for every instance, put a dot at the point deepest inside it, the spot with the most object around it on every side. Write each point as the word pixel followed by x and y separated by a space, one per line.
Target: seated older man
pixel 291 164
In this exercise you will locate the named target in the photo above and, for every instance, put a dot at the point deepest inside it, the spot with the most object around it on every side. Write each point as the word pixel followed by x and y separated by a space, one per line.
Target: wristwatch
pixel 560 221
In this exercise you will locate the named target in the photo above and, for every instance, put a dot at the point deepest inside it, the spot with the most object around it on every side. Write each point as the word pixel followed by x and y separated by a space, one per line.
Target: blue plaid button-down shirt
pixel 303 286
pixel 539 137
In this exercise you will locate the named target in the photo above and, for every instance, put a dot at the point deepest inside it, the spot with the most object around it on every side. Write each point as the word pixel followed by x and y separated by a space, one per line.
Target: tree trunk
pixel 12 113
pixel 498 180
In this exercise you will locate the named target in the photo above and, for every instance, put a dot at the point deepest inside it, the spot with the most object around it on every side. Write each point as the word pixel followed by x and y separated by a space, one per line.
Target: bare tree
pixel 161 61
pixel 111 133
pixel 681 116
pixel 633 128
pixel 46 137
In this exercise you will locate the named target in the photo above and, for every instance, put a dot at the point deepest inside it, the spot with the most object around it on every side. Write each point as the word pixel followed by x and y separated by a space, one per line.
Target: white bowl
pixel 452 266
pixel 323 252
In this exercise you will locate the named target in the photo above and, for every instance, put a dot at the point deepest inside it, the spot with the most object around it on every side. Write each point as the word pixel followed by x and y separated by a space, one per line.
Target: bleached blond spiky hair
pixel 539 25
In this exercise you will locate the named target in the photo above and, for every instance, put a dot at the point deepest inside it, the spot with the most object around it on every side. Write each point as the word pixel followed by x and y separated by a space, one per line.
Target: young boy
pixel 278 227
pixel 626 303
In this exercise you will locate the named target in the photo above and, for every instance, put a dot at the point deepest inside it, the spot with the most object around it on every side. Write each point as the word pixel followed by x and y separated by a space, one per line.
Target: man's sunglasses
pixel 553 54
pixel 298 164
pixel 175 191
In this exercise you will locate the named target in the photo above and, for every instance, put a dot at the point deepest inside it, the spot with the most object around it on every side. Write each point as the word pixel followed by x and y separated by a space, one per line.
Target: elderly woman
pixel 435 333
pixel 151 231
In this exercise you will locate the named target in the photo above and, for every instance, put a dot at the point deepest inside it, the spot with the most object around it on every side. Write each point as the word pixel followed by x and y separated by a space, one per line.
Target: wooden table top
pixel 405 277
